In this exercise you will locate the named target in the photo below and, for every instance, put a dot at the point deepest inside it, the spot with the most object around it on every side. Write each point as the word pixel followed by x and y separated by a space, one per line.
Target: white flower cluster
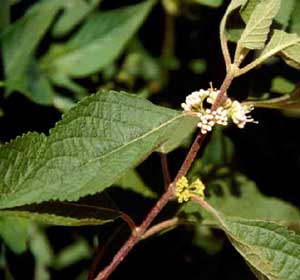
pixel 230 109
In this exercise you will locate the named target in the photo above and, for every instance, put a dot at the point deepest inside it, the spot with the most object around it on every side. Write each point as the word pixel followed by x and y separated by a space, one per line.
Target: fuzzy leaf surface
pixel 257 29
pixel 94 145
pixel 271 250
pixel 284 44
pixel 283 16
pixel 291 55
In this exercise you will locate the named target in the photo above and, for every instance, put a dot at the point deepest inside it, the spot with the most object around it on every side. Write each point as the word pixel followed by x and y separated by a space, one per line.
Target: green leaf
pixel 4 14
pixel 281 85
pixel 234 4
pixel 287 102
pixel 291 55
pixel 67 213
pixel 219 151
pixel 133 181
pixel 93 146
pixel 72 254
pixel 285 11
pixel 295 22
pixel 98 43
pixel 210 3
pixel 270 249
pixel 14 232
pixel 282 17
pixel 248 9
pixel 283 44
pixel 20 39
pixel 75 11
pixel 41 250
pixel 257 29
pixel 249 203
pixel 33 84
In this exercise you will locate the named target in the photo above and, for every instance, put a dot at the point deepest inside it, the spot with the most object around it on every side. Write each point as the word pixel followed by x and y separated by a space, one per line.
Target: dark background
pixel 268 153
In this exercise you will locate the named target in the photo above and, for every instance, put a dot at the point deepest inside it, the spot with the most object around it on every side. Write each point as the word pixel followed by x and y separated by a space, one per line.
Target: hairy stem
pixel 171 223
pixel 140 231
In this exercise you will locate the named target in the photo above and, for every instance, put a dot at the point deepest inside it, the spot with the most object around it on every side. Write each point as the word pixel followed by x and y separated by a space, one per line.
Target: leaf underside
pixel 272 251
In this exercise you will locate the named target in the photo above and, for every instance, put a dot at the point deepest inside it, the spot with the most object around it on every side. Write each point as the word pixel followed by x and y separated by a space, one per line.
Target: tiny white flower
pixel 208 118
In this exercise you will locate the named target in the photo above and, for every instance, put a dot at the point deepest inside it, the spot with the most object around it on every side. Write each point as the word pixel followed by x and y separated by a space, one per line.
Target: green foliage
pixel 286 102
pixel 27 32
pixel 284 44
pixel 133 181
pixel 271 250
pixel 14 232
pixel 98 43
pixel 258 26
pixel 210 3
pixel 107 131
pixel 74 12
pixel 59 51
pixel 282 85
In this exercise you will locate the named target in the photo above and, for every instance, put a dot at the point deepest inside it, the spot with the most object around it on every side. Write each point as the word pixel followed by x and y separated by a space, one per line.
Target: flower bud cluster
pixel 234 110
pixel 184 191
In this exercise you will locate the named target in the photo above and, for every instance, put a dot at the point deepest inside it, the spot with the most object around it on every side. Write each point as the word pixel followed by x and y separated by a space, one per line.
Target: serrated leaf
pixel 99 42
pixel 282 17
pixel 287 102
pixel 82 213
pixel 249 203
pixel 283 44
pixel 21 38
pixel 93 146
pixel 75 11
pixel 257 29
pixel 272 250
pixel 14 232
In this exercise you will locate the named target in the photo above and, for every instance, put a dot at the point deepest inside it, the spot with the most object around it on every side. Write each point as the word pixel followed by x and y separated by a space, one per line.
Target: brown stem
pixel 171 223
pixel 137 235
pixel 100 252
pixel 225 51
pixel 165 170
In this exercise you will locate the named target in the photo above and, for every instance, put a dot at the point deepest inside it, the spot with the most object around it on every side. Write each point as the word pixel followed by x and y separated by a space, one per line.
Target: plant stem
pixel 168 44
pixel 100 252
pixel 165 170
pixel 140 231
pixel 159 227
